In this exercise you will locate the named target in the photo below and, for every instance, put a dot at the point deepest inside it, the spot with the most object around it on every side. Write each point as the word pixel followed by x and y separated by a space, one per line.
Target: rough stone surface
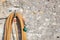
pixel 42 17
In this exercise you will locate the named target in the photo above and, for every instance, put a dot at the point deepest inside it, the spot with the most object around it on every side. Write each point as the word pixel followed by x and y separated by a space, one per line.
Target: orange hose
pixel 8 26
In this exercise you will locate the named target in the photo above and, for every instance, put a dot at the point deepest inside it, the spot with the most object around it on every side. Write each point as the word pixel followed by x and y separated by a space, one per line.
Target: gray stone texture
pixel 42 17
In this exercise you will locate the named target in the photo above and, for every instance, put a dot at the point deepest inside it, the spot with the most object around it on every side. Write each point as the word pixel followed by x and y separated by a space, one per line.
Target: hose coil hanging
pixel 8 26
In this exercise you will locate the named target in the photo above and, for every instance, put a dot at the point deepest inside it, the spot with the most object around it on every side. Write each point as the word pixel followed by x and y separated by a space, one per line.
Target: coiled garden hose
pixel 8 27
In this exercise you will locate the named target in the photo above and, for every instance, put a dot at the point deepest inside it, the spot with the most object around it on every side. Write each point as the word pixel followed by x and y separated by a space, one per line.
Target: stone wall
pixel 42 17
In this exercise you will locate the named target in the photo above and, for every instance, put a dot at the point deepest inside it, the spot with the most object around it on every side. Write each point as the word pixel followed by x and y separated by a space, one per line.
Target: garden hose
pixel 8 27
